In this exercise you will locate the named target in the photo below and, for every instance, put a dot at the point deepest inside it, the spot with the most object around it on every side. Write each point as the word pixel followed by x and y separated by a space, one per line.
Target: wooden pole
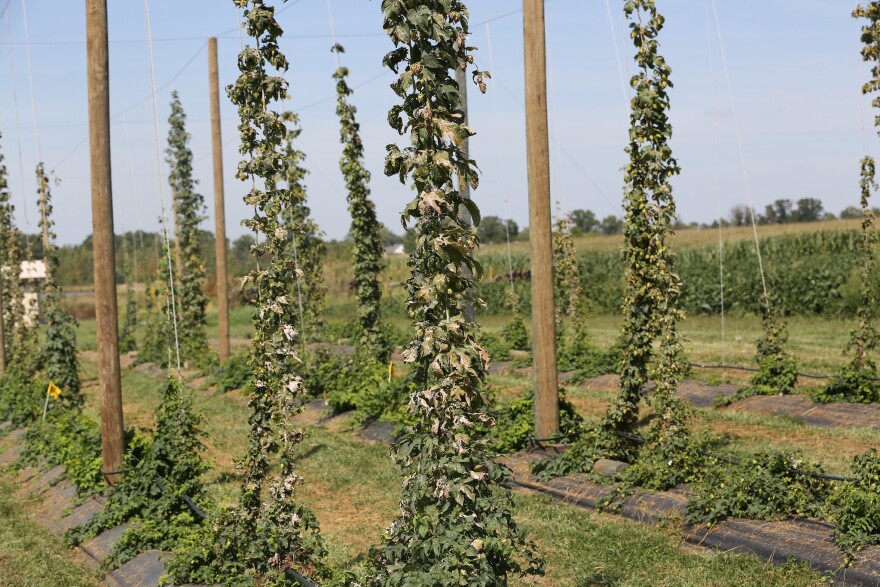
pixel 219 205
pixel 465 188
pixel 538 150
pixel 112 433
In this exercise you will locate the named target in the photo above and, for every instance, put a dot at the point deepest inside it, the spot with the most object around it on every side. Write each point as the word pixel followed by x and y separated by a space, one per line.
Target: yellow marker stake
pixel 390 369
pixel 52 391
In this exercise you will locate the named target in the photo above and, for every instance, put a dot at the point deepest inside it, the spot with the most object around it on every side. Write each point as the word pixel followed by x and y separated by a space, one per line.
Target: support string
pixel 742 156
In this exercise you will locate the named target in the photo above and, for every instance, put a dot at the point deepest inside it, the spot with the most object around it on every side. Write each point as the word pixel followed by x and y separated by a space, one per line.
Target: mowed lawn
pixel 30 556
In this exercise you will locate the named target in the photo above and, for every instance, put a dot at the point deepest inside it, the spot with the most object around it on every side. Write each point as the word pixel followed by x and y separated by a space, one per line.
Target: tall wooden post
pixel 112 434
pixel 465 188
pixel 219 205
pixel 538 150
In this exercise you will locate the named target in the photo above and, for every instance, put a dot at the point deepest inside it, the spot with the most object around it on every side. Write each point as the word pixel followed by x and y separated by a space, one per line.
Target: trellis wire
pixel 623 85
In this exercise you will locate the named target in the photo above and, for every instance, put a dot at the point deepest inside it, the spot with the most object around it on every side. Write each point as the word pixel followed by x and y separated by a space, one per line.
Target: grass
pixel 585 550
pixel 30 556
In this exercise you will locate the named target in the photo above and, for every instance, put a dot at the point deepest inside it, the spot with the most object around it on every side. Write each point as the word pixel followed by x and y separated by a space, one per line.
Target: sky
pixel 777 114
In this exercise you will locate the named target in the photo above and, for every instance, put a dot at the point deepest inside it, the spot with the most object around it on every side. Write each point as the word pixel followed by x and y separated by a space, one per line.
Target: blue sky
pixel 794 66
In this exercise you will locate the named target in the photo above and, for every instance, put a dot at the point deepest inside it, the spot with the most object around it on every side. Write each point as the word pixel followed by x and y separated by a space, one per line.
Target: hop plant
pixel 366 230
pixel 777 370
pixel 155 492
pixel 189 210
pixel 651 306
pixel 305 246
pixel 6 245
pixel 455 525
pixel 268 534
pixel 127 337
pixel 856 380
pixel 566 274
pixel 58 356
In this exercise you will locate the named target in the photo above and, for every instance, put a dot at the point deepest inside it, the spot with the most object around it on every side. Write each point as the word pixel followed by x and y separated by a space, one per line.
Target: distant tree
pixel 242 245
pixel 739 215
pixel 611 224
pixel 808 210
pixel 492 230
pixel 389 237
pixel 779 212
pixel 583 221
pixel 851 213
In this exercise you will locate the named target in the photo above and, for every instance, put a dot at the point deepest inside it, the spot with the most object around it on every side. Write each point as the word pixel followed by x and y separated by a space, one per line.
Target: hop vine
pixel 6 246
pixel 366 230
pixel 128 334
pixel 651 298
pixel 268 533
pixel 566 275
pixel 650 305
pixel 189 213
pixel 23 338
pixel 455 525
pixel 155 492
pixel 58 356
pixel 855 382
pixel 777 369
pixel 158 343
pixel 305 247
